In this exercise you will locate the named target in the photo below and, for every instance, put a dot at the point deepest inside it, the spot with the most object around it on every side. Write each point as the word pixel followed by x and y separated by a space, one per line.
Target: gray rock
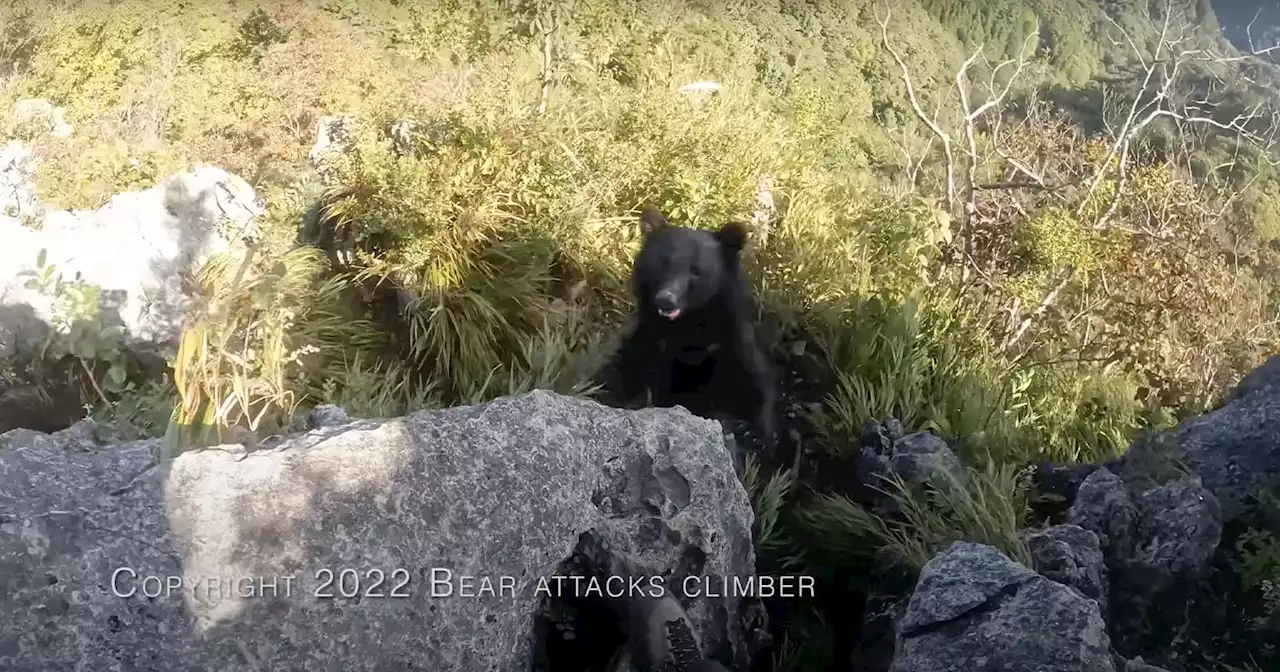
pixel 82 436
pixel 504 491
pixel 1103 506
pixel 917 458
pixel 38 110
pixel 1155 546
pixel 974 609
pixel 893 428
pixel 1138 665
pixel 1234 449
pixel 137 249
pixel 1179 527
pixel 327 415
pixel 923 457
pixel 876 438
pixel 1072 556
pixel 1171 530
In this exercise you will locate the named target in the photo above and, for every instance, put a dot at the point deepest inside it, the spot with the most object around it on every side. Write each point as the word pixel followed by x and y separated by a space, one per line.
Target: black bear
pixel 694 342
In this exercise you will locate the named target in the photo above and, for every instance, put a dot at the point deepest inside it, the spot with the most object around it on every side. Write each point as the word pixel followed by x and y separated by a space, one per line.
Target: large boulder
pixel 974 609
pixel 138 249
pixel 1234 449
pixel 449 527
pixel 1157 545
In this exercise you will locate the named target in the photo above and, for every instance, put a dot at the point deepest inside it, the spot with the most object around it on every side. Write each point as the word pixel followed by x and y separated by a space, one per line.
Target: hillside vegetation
pixel 1088 257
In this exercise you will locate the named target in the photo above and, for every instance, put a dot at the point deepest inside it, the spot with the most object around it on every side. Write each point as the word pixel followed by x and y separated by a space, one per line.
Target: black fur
pixel 694 342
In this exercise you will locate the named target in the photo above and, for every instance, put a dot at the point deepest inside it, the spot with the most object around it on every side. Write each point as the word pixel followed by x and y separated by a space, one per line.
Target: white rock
pixel 138 248
pixel 31 109
pixel 18 166
pixel 704 87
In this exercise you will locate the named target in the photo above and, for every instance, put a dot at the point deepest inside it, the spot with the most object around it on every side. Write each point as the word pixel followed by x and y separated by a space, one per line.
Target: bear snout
pixel 667 301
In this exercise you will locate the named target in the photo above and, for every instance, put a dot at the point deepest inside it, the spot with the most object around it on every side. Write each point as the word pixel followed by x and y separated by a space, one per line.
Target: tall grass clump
pixel 262 337
pixel 986 505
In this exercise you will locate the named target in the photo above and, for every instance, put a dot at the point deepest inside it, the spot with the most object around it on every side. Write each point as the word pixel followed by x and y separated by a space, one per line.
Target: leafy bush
pixel 79 330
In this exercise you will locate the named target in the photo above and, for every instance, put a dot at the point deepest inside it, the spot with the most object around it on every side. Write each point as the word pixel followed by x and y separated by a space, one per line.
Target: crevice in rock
pixel 578 630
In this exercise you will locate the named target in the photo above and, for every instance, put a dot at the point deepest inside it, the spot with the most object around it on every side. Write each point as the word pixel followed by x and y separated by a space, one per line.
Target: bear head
pixel 680 270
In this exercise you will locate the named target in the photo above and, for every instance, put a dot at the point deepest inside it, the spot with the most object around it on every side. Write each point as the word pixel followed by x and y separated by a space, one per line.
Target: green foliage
pixel 769 494
pixel 1259 559
pixel 82 63
pixel 139 413
pixel 257 33
pixel 264 335
pixel 987 506
pixel 933 367
pixel 1260 553
pixel 1264 207
pixel 806 644
pixel 483 220
pixel 376 390
pixel 1055 240
pixel 79 329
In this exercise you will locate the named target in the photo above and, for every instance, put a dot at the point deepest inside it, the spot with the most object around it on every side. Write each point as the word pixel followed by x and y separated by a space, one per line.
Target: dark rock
pixel 1103 506
pixel 1072 556
pixel 1265 377
pixel 917 458
pixel 1137 665
pixel 974 609
pixel 893 427
pixel 1156 547
pixel 1235 449
pixel 1179 526
pixel 327 415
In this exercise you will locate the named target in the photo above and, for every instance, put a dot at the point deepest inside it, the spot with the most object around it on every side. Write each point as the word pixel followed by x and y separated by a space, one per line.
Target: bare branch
pixel 1127 130
pixel 972 115
pixel 971 169
pixel 1192 119
pixel 1248 31
pixel 1049 298
pixel 920 114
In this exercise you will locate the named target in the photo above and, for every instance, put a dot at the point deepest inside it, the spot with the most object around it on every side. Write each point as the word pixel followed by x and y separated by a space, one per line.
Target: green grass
pixel 987 505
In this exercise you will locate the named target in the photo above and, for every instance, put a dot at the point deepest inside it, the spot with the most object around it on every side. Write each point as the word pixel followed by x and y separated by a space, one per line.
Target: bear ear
pixel 732 237
pixel 652 220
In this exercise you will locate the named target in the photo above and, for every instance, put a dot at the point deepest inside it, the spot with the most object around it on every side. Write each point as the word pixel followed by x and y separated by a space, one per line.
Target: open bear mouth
pixel 670 314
